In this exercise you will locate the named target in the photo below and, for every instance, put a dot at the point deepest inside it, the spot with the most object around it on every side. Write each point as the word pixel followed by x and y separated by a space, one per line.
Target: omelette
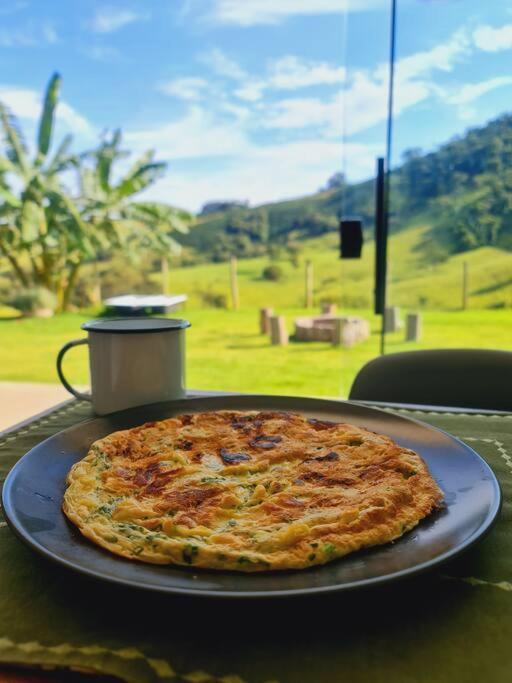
pixel 247 491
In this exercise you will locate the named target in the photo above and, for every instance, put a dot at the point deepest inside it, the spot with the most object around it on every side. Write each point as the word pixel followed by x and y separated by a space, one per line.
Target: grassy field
pixel 225 350
pixel 413 282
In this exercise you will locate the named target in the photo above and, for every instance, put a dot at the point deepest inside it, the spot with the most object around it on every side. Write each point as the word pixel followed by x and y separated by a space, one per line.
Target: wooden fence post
pixel 96 292
pixel 235 302
pixel 465 285
pixel 278 333
pixel 413 327
pixel 165 274
pixel 309 285
pixel 265 315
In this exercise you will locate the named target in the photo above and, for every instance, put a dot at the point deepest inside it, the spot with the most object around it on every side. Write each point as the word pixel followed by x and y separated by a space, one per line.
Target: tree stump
pixel 329 309
pixel 338 333
pixel 392 322
pixel 265 315
pixel 413 327
pixel 278 333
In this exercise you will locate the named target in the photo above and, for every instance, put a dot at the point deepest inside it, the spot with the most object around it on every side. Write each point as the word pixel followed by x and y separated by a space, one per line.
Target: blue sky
pixel 257 99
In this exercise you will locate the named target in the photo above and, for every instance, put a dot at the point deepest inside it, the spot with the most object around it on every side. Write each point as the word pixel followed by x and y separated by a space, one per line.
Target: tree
pixel 46 233
pixel 245 234
pixel 336 181
pixel 222 205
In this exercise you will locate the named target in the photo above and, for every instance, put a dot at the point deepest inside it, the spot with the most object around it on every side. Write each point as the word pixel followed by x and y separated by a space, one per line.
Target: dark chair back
pixel 465 378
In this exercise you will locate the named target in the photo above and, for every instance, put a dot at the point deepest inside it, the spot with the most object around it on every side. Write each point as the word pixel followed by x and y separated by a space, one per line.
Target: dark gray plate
pixel 33 492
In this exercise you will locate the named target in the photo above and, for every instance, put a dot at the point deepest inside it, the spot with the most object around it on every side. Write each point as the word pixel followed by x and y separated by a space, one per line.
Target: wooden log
pixel 413 327
pixel 278 333
pixel 338 332
pixel 233 267
pixel 308 299
pixel 265 315
pixel 329 309
pixel 392 322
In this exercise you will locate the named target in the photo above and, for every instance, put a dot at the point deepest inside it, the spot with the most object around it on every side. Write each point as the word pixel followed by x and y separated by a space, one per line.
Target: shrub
pixel 119 276
pixel 32 300
pixel 272 273
pixel 213 299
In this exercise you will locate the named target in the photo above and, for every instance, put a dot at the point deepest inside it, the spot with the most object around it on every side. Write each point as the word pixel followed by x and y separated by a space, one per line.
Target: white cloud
pixel 110 19
pixel 26 104
pixel 29 36
pixel 442 57
pixel 290 72
pixel 471 91
pixel 197 135
pixel 251 92
pixel 307 142
pixel 265 173
pixel 76 122
pixel 189 89
pixel 300 113
pixel 492 39
pixel 254 12
pixel 223 65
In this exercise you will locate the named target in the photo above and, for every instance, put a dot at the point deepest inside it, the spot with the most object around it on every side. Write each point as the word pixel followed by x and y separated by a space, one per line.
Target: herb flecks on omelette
pixel 246 491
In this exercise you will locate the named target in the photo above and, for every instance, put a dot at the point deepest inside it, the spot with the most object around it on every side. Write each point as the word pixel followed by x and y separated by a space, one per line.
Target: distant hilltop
pixel 465 186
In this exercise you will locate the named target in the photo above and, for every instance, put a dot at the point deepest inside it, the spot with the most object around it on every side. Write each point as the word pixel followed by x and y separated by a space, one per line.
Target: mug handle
pixel 60 357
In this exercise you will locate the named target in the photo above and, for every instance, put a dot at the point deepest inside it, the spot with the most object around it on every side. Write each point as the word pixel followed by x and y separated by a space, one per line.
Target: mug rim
pixel 132 325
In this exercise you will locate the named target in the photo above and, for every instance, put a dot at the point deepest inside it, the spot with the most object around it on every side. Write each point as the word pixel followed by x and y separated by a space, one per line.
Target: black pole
pixel 383 192
pixel 392 50
pixel 380 238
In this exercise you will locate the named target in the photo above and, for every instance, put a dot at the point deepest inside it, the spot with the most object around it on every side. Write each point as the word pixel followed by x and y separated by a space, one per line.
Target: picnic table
pixel 143 304
pixel 452 624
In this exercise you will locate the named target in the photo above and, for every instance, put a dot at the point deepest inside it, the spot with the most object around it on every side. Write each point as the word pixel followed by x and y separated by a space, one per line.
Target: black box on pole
pixel 351 237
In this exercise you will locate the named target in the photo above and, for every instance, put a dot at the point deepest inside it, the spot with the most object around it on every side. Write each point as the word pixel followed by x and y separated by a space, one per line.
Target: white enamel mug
pixel 132 362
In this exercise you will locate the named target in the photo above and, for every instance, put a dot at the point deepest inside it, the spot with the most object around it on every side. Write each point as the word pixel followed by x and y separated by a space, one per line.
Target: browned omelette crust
pixel 247 491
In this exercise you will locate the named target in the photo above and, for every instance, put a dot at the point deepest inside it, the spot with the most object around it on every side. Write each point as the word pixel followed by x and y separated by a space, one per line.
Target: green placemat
pixel 454 625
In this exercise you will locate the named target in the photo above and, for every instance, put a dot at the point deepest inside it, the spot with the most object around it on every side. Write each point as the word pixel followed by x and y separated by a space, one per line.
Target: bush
pixel 272 273
pixel 30 301
pixel 213 299
pixel 119 276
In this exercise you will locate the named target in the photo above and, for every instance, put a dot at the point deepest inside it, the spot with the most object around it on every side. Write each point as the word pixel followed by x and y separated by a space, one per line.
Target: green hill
pixel 448 206
pixel 465 186
pixel 413 283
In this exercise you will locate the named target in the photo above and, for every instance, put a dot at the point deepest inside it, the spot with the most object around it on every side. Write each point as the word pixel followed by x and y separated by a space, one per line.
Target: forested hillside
pixel 465 185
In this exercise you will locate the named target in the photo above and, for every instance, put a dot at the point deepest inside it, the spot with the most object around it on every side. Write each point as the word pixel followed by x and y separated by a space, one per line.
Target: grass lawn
pixel 413 281
pixel 225 350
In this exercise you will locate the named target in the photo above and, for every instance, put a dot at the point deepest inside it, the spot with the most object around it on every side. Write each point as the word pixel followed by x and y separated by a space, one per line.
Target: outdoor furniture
pixel 452 624
pixel 144 304
pixel 468 378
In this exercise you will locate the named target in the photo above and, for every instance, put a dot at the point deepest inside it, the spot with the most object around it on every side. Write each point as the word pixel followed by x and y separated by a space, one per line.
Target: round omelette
pixel 247 491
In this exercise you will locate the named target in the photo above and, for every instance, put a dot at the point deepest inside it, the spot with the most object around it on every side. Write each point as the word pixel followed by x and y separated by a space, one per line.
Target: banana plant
pixel 117 221
pixel 46 233
pixel 32 218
